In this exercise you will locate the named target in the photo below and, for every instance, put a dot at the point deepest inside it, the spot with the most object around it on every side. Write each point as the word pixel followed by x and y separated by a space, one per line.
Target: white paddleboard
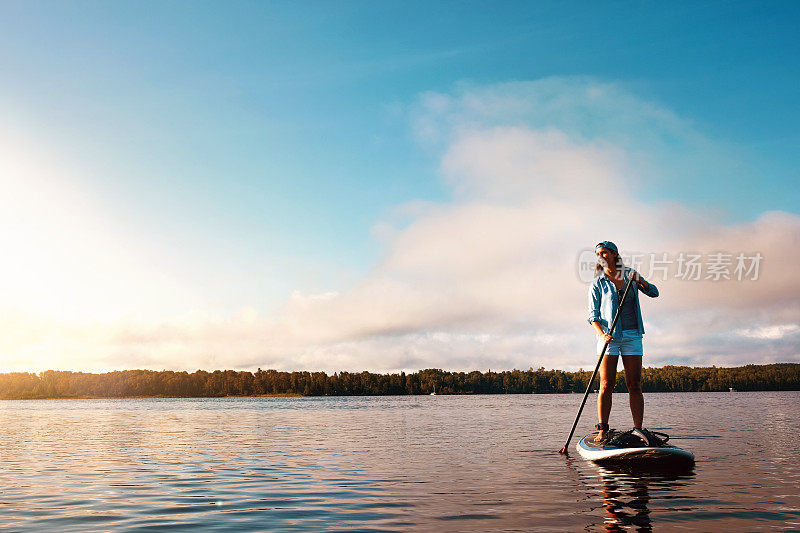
pixel 603 453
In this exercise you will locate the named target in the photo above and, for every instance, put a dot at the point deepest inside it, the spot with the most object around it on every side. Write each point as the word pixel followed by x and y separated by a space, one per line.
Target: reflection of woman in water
pixel 626 339
pixel 619 513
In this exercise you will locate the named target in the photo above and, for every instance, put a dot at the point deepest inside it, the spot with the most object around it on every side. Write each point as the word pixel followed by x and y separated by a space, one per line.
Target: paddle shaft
pixel 596 368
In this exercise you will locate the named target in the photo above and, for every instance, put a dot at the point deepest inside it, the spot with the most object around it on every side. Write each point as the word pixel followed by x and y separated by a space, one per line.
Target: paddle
pixel 564 450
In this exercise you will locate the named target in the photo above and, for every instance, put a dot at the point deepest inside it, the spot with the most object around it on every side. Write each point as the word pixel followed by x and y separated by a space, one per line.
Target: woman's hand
pixel 635 276
pixel 598 329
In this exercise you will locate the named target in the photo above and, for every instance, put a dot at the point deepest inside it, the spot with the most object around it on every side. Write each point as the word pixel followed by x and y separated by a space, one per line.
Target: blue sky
pixel 247 152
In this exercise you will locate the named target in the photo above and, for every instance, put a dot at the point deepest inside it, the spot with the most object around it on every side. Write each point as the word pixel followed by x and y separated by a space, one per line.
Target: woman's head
pixel 607 256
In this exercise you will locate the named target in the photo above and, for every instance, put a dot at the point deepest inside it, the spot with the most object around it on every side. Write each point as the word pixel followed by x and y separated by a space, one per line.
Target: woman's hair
pixel 598 268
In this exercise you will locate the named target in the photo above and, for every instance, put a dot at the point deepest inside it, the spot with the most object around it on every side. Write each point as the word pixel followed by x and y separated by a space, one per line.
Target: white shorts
pixel 630 344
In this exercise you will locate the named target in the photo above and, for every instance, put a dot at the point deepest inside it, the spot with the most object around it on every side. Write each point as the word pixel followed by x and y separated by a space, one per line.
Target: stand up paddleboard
pixel 603 453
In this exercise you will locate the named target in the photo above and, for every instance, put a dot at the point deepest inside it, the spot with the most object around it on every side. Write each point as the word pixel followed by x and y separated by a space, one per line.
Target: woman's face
pixel 606 257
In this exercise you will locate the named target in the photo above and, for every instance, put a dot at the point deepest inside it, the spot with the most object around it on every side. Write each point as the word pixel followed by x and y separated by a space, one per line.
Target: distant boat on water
pixel 731 389
pixel 434 391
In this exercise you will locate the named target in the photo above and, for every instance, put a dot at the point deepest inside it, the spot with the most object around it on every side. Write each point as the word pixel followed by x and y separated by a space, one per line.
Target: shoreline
pixel 132 384
pixel 422 395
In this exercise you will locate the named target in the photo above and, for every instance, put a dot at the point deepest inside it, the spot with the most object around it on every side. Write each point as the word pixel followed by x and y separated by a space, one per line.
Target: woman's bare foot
pixel 601 436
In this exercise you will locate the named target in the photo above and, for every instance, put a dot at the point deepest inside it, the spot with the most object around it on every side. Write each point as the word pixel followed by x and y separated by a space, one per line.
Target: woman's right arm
pixel 595 295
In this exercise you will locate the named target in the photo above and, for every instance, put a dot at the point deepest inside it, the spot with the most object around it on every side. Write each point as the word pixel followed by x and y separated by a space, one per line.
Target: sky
pixel 393 186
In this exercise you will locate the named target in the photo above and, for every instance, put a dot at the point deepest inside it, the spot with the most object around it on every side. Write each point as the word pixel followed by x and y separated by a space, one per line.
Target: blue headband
pixel 606 244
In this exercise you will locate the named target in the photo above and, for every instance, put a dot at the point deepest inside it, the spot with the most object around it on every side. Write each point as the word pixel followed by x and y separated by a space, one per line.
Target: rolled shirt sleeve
pixel 652 290
pixel 595 295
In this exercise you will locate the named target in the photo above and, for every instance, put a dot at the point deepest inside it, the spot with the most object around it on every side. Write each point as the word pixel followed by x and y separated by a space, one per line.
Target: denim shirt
pixel 604 301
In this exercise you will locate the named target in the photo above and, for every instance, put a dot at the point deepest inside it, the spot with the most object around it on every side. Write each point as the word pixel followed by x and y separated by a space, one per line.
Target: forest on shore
pixel 201 384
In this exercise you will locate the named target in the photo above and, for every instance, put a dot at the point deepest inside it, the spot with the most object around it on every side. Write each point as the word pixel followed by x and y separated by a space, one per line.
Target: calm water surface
pixel 445 463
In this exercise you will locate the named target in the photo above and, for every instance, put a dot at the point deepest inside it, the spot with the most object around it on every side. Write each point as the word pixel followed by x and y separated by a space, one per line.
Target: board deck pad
pixel 639 453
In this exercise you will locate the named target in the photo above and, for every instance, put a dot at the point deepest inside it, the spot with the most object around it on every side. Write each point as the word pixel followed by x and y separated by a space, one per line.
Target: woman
pixel 626 339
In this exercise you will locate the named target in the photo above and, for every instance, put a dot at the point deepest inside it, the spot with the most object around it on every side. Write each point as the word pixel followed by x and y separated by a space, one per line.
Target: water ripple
pixel 485 463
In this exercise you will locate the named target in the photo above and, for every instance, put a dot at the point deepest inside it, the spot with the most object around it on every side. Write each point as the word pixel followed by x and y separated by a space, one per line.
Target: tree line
pixel 220 383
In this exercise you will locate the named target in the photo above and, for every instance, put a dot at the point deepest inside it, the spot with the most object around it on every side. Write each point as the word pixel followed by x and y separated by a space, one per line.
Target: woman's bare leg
pixel 608 377
pixel 633 379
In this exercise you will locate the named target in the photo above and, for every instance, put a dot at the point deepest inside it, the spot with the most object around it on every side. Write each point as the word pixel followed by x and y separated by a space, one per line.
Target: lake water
pixel 444 463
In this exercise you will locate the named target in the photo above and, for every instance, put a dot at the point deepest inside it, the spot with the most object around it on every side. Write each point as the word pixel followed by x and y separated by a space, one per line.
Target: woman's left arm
pixel 646 287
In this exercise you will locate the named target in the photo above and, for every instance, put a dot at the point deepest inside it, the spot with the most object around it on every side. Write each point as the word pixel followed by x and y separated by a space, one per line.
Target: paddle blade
pixel 563 451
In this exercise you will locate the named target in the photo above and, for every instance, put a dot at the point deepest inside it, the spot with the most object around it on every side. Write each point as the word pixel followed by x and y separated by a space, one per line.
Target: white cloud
pixel 522 165
pixel 539 171
pixel 775 332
